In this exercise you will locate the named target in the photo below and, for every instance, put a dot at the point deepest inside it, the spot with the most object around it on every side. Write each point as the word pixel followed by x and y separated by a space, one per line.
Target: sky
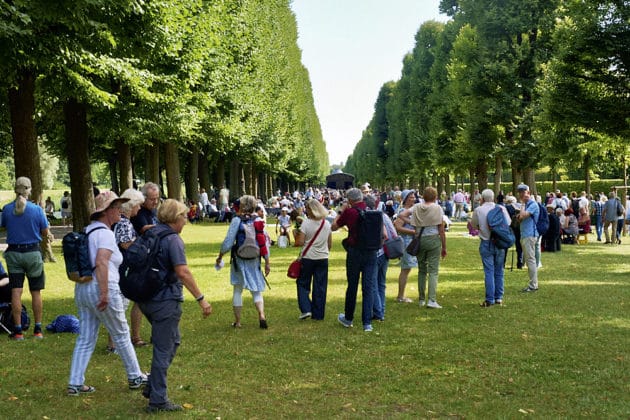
pixel 351 48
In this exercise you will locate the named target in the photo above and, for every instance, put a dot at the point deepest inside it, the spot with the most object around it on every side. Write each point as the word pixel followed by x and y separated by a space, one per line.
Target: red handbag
pixel 294 269
pixel 296 266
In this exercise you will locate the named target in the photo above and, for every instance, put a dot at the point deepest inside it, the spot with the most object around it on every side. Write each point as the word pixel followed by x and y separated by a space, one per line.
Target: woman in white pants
pixel 100 300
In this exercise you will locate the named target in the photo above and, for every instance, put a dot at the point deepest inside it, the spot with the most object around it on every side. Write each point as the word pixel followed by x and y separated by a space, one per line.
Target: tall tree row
pixel 507 85
pixel 162 91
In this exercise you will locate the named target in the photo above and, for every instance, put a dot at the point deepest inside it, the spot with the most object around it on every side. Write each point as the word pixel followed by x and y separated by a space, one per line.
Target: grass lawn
pixel 560 352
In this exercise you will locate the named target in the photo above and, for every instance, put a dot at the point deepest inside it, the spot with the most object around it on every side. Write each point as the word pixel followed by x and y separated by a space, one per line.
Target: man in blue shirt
pixel 528 216
pixel 26 225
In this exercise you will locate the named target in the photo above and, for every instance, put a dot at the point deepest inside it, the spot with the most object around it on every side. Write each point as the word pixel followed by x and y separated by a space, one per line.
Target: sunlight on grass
pixel 559 353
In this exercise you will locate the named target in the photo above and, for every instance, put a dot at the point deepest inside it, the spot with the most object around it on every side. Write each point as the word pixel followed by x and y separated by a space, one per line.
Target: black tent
pixel 339 181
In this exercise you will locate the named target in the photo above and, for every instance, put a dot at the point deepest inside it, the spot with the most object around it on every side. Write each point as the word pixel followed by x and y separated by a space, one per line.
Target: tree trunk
pixel 530 179
pixel 77 150
pixel 587 174
pixel 516 176
pixel 25 148
pixel 447 183
pixel 219 174
pixel 192 175
pixel 247 178
pixel 125 165
pixel 113 175
pixel 173 180
pixel 498 174
pixel 471 174
pixel 204 174
pixel 482 175
pixel 236 175
pixel 152 167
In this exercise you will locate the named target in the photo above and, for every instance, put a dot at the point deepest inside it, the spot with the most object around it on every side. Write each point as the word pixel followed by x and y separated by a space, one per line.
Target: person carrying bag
pixel 312 261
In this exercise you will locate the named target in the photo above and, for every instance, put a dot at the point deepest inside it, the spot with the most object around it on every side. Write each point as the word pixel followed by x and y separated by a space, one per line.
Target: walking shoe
pixel 16 337
pixel 433 305
pixel 486 304
pixel 498 302
pixel 76 390
pixel 262 323
pixel 529 289
pixel 343 321
pixel 367 328
pixel 422 303
pixel 404 300
pixel 167 406
pixel 38 334
pixel 136 383
pixel 305 315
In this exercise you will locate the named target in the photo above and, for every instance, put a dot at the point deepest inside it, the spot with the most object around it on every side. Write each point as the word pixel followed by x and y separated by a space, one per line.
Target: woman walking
pixel 245 273
pixel 100 300
pixel 314 233
pixel 406 230
pixel 164 310
pixel 427 217
pixel 125 235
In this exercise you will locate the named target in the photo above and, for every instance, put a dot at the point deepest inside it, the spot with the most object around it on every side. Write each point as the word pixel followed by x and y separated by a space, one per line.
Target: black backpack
pixel 76 254
pixel 370 225
pixel 141 276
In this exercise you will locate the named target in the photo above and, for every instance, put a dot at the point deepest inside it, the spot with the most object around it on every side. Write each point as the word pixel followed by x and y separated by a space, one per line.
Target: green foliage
pixel 507 85
pixel 223 76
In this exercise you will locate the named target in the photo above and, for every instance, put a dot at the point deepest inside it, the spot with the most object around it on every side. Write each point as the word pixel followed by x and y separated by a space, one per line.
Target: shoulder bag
pixel 296 266
pixel 414 246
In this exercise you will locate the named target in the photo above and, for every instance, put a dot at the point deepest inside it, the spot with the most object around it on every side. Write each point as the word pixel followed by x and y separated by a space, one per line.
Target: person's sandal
pixel 138 342
pixel 76 390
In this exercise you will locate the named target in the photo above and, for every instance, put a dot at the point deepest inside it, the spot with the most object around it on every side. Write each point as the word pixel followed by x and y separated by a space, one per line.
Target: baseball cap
pixel 522 187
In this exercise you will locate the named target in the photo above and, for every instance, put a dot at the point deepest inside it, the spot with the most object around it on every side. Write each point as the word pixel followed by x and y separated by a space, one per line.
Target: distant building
pixel 339 181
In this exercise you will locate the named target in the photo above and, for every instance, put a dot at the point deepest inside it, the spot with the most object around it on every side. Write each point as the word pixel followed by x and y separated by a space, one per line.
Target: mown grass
pixel 561 352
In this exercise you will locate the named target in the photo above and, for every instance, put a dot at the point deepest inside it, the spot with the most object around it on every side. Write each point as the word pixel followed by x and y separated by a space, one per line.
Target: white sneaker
pixel 305 315
pixel 422 303
pixel 433 305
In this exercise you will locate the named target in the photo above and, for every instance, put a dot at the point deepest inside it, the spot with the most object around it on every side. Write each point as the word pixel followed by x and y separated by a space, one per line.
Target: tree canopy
pixel 510 83
pixel 126 79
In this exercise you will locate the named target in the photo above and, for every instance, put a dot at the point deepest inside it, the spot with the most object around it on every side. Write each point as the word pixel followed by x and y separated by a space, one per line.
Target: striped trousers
pixel 86 297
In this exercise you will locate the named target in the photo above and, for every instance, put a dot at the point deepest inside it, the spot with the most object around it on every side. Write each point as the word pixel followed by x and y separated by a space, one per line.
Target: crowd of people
pixel 309 220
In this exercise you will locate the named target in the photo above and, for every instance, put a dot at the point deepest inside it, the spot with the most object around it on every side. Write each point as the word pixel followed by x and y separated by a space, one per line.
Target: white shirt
pixel 105 239
pixel 319 249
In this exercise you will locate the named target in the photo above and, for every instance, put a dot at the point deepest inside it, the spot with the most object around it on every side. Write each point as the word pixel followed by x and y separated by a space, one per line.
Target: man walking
pixel 359 262
pixel 492 257
pixel 147 215
pixel 528 216
pixel 26 225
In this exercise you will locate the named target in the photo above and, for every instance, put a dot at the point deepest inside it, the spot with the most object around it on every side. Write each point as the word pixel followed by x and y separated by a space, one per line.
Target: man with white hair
pixel 147 215
pixel 492 257
pixel 26 225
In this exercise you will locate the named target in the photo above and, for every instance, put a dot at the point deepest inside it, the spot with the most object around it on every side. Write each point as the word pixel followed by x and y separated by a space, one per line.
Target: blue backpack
pixel 500 232
pixel 542 224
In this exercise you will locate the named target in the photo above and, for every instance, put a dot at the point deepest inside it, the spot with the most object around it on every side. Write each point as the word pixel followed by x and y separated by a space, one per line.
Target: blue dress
pixel 245 273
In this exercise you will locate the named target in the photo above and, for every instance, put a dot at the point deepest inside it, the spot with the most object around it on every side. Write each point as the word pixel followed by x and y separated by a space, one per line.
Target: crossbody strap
pixel 305 250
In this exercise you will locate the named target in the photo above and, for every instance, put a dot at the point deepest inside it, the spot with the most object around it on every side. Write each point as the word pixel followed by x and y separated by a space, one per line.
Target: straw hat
pixel 104 200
